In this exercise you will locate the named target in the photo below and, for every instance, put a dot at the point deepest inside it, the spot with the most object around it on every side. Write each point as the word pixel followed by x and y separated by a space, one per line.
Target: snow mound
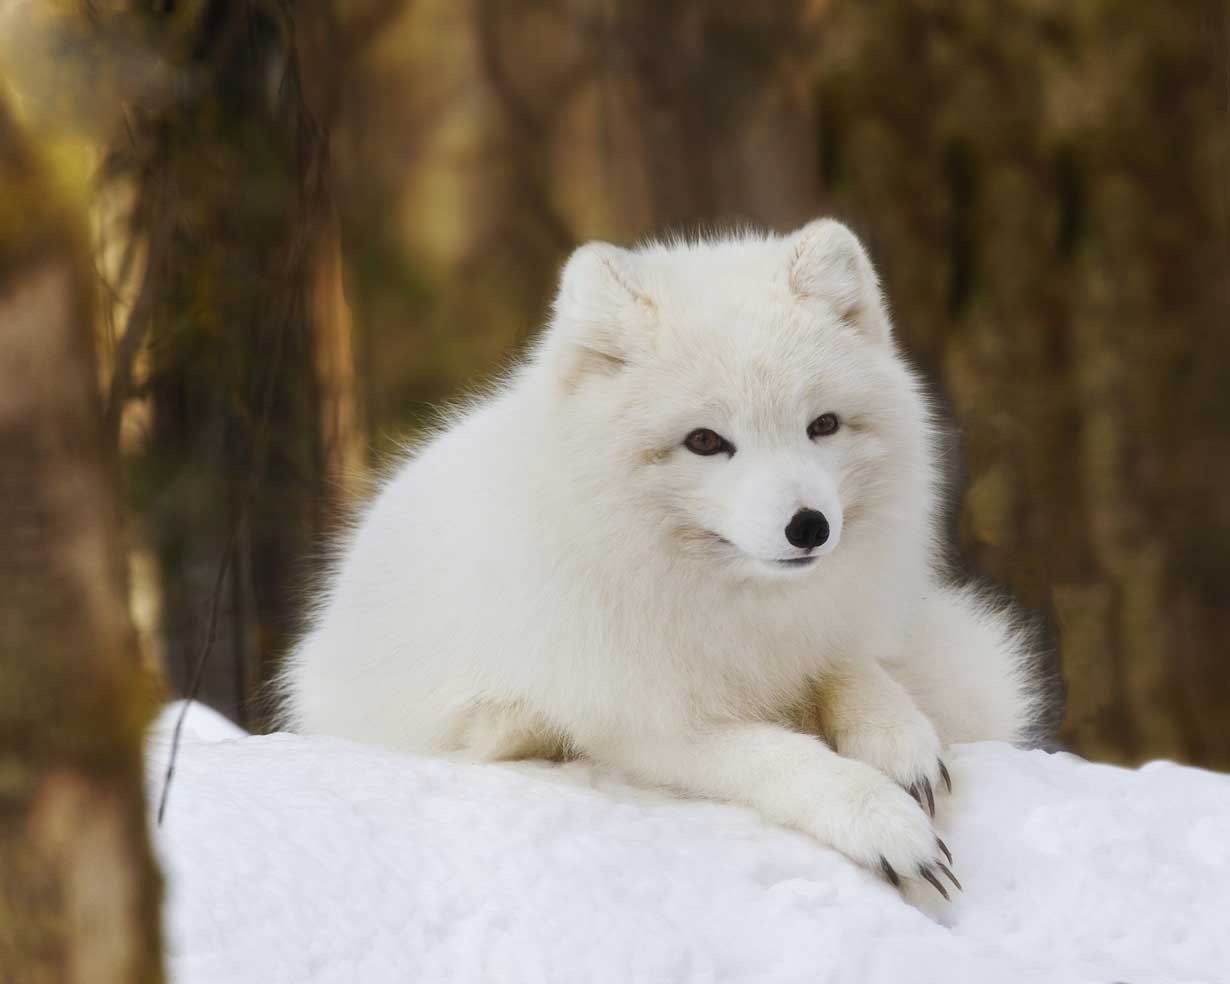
pixel 297 860
pixel 200 723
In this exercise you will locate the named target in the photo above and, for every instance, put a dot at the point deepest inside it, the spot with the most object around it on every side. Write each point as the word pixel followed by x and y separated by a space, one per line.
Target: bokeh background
pixel 311 223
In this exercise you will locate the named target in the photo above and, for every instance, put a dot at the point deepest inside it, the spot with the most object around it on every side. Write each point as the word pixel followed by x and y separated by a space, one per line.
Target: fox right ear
pixel 601 309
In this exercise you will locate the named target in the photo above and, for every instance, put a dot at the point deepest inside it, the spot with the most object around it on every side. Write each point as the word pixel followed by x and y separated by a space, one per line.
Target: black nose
pixel 807 529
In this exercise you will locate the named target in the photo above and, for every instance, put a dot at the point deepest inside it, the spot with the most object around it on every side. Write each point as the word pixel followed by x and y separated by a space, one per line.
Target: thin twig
pixel 197 671
pixel 228 553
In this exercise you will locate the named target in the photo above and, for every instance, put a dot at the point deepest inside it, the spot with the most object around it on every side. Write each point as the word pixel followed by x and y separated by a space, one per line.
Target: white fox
pixel 692 536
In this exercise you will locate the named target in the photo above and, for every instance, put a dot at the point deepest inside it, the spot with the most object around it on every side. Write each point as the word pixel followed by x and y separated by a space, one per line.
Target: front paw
pixel 877 824
pixel 905 748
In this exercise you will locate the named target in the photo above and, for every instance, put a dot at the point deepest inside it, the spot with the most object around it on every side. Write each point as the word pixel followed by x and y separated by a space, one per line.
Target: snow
pixel 312 860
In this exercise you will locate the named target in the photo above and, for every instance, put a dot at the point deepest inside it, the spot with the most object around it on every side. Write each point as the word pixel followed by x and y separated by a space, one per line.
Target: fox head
pixel 743 397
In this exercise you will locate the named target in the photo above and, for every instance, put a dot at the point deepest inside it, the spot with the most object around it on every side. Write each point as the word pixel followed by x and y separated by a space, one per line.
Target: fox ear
pixel 601 311
pixel 829 264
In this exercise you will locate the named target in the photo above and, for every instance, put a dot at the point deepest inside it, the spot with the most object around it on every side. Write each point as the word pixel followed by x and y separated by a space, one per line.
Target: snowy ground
pixel 312 860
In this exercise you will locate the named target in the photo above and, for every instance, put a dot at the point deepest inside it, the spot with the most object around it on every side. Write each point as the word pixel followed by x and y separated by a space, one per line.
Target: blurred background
pixel 305 225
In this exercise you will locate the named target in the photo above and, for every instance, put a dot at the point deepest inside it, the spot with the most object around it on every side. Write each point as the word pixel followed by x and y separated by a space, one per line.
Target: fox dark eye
pixel 706 442
pixel 824 425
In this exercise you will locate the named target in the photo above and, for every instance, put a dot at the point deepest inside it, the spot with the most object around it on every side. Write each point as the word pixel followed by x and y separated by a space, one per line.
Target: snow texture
pixel 311 860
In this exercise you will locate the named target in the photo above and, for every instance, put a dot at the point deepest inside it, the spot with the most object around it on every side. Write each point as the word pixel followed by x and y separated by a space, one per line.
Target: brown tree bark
pixel 79 892
pixel 254 446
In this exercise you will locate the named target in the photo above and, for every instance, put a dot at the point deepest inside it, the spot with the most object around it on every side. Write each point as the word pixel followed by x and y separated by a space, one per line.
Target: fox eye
pixel 824 425
pixel 703 441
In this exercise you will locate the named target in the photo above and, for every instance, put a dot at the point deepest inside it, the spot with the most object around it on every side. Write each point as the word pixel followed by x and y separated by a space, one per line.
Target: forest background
pixel 307 226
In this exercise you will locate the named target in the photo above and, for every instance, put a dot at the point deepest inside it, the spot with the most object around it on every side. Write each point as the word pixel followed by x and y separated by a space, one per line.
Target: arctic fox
pixel 693 537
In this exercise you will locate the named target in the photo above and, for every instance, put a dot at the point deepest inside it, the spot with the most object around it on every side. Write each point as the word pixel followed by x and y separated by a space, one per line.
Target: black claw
pixel 912 789
pixel 947 777
pixel 889 873
pixel 930 798
pixel 951 877
pixel 927 874
pixel 944 848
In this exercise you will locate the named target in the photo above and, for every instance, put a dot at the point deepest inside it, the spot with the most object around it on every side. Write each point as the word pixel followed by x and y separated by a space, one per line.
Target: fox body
pixel 691 536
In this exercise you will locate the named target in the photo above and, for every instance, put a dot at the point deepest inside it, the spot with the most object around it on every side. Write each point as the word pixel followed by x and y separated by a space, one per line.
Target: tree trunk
pixel 78 888
pixel 254 446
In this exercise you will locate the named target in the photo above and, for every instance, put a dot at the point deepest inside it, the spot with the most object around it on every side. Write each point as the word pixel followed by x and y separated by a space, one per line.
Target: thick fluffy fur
pixel 555 573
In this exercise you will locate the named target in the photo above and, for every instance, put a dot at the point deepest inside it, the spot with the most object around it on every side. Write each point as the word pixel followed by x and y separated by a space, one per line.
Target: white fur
pixel 555 573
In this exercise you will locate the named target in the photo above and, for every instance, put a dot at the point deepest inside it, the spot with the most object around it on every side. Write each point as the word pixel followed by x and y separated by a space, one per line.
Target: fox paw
pixel 886 832
pixel 906 750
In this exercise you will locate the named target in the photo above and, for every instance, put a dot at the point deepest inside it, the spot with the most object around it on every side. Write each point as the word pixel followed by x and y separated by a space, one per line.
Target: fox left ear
pixel 829 264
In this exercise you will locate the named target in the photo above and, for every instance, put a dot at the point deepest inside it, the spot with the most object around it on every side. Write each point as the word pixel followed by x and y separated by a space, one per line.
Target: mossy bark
pixel 79 892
